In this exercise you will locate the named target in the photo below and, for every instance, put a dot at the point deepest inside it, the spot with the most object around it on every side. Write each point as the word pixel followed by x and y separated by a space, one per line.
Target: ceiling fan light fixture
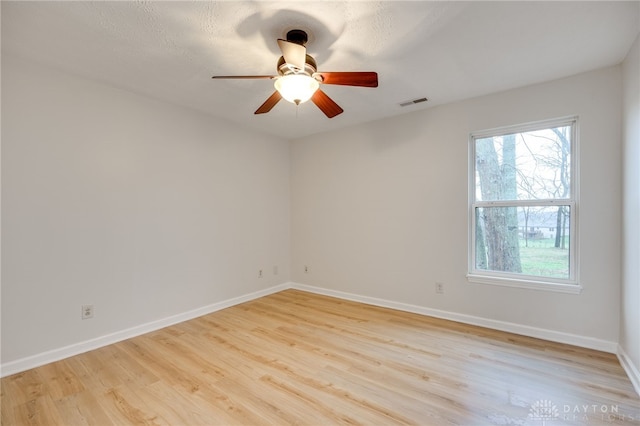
pixel 296 88
pixel 298 79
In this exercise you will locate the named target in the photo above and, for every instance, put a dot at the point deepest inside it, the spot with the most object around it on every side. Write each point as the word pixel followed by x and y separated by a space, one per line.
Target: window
pixel 523 206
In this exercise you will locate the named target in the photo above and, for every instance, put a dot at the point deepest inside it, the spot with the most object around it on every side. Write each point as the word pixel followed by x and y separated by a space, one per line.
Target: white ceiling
pixel 445 51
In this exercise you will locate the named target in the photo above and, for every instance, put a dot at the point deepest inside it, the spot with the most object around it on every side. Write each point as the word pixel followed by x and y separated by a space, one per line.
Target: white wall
pixel 144 209
pixel 630 302
pixel 380 210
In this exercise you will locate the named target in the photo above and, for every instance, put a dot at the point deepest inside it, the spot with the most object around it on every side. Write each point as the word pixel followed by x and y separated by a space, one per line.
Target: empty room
pixel 320 212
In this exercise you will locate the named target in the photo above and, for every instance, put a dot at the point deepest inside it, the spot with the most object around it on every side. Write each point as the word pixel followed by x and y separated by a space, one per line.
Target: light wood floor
pixel 300 358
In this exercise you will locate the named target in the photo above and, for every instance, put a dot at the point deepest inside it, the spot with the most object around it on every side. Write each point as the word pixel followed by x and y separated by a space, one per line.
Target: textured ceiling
pixel 445 51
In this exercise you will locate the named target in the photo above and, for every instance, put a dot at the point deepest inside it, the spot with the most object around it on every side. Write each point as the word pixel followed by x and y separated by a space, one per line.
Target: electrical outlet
pixel 440 288
pixel 87 311
pixel 260 273
pixel 275 270
pixel 306 269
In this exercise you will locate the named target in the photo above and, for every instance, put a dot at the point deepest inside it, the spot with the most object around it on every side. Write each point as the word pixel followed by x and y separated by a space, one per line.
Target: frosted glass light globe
pixel 296 88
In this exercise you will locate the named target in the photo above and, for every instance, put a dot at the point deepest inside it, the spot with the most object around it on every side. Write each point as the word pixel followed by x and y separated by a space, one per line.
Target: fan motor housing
pixel 310 66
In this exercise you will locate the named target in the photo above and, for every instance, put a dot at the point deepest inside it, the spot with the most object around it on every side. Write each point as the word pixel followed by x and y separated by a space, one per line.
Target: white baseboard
pixel 37 360
pixel 525 330
pixel 630 368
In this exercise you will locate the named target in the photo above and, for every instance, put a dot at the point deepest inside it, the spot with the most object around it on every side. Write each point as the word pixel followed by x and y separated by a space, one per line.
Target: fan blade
pixel 326 104
pixel 294 54
pixel 269 103
pixel 363 79
pixel 244 76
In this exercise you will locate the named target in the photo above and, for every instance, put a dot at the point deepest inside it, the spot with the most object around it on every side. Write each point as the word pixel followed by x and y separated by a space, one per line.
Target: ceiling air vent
pixel 415 101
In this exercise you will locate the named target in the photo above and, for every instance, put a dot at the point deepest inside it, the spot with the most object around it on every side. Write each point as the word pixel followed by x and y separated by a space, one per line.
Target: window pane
pixel 531 165
pixel 523 240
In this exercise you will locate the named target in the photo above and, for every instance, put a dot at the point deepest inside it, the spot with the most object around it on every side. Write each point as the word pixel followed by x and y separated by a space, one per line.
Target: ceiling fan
pixel 298 79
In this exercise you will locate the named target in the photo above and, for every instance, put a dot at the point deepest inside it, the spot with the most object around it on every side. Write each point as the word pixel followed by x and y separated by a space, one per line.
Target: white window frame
pixel 570 285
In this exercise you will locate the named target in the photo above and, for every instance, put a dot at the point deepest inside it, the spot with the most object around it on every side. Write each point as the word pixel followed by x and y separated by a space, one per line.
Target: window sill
pixel 526 284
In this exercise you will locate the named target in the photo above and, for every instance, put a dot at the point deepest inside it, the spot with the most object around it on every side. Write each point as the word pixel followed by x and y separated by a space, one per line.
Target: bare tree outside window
pixel 497 180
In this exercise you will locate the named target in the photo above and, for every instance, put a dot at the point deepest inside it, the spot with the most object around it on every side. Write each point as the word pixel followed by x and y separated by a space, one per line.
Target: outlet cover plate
pixel 87 311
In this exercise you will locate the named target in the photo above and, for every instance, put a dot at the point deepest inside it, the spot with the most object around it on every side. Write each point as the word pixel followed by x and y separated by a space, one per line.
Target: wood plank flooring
pixel 305 359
